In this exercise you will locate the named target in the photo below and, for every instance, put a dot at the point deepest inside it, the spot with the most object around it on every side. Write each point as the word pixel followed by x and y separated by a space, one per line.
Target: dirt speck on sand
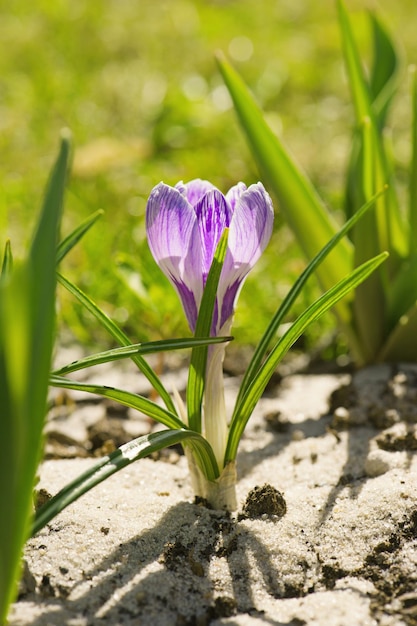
pixel 264 501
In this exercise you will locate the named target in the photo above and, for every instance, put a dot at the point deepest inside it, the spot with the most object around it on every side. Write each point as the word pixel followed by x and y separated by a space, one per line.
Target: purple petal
pixel 184 225
pixel 213 216
pixel 234 194
pixel 189 303
pixel 173 237
pixel 228 301
pixel 251 225
pixel 250 231
pixel 194 190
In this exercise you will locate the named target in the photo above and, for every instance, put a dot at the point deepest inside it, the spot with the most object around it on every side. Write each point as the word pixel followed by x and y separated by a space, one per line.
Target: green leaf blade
pixel 27 317
pixel 7 264
pixel 73 238
pixel 389 225
pixel 412 209
pixel 398 345
pixel 109 465
pixel 369 306
pixel 127 398
pixel 291 297
pixel 197 370
pixel 385 71
pixel 117 333
pixel 17 460
pixel 150 347
pixel 43 277
pixel 243 412
pixel 299 201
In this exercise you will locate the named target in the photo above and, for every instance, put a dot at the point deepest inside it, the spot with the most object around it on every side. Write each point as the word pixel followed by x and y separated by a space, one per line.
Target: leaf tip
pixel 66 135
pixel 65 142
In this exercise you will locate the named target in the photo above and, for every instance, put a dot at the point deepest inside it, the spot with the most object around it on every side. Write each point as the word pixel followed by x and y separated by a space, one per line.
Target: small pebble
pixel 378 462
pixel 298 435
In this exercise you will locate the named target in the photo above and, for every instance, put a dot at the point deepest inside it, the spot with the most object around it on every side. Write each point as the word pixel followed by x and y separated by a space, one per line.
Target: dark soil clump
pixel 264 500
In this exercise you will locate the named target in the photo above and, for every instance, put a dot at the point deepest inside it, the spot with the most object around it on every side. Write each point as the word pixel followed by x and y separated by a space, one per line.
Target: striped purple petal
pixel 194 190
pixel 173 237
pixel 234 194
pixel 250 231
pixel 184 225
pixel 213 216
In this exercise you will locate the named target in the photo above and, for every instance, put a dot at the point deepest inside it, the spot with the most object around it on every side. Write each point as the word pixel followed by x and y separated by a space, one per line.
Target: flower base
pixel 221 493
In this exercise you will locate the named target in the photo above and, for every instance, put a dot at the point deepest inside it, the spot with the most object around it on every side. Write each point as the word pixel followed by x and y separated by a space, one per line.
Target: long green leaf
pixel 385 71
pixel 388 221
pixel 127 398
pixel 73 238
pixel 197 370
pixel 383 229
pixel 245 408
pixel 403 293
pixel 303 209
pixel 400 344
pixel 149 347
pixel 412 210
pixel 109 465
pixel 369 303
pixel 291 297
pixel 16 469
pixel 27 316
pixel 117 333
pixel 43 282
pixel 7 264
pixel 359 86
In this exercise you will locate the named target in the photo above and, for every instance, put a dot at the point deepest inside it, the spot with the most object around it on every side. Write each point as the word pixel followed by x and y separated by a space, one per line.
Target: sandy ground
pixel 137 550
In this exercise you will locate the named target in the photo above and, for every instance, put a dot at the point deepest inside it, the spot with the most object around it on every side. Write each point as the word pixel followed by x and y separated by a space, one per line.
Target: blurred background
pixel 137 84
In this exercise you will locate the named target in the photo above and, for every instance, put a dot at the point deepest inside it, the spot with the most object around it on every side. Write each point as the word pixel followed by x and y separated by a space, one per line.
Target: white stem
pixel 215 420
pixel 221 493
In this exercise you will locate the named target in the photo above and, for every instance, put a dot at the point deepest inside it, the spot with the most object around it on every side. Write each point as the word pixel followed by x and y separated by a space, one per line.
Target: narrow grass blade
pixel 412 211
pixel 369 306
pixel 197 370
pixel 7 264
pixel 291 297
pixel 73 238
pixel 42 265
pixel 402 295
pixel 117 333
pixel 359 86
pixel 109 465
pixel 305 212
pixel 389 227
pixel 383 229
pixel 402 292
pixel 149 347
pixel 243 412
pixel 16 470
pixel 385 71
pixel 400 344
pixel 127 398
pixel 27 316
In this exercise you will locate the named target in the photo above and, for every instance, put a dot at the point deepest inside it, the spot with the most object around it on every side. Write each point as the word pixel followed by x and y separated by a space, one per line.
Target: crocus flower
pixel 184 224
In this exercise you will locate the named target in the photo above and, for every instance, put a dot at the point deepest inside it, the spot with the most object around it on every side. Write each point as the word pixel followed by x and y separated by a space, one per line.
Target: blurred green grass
pixel 137 84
